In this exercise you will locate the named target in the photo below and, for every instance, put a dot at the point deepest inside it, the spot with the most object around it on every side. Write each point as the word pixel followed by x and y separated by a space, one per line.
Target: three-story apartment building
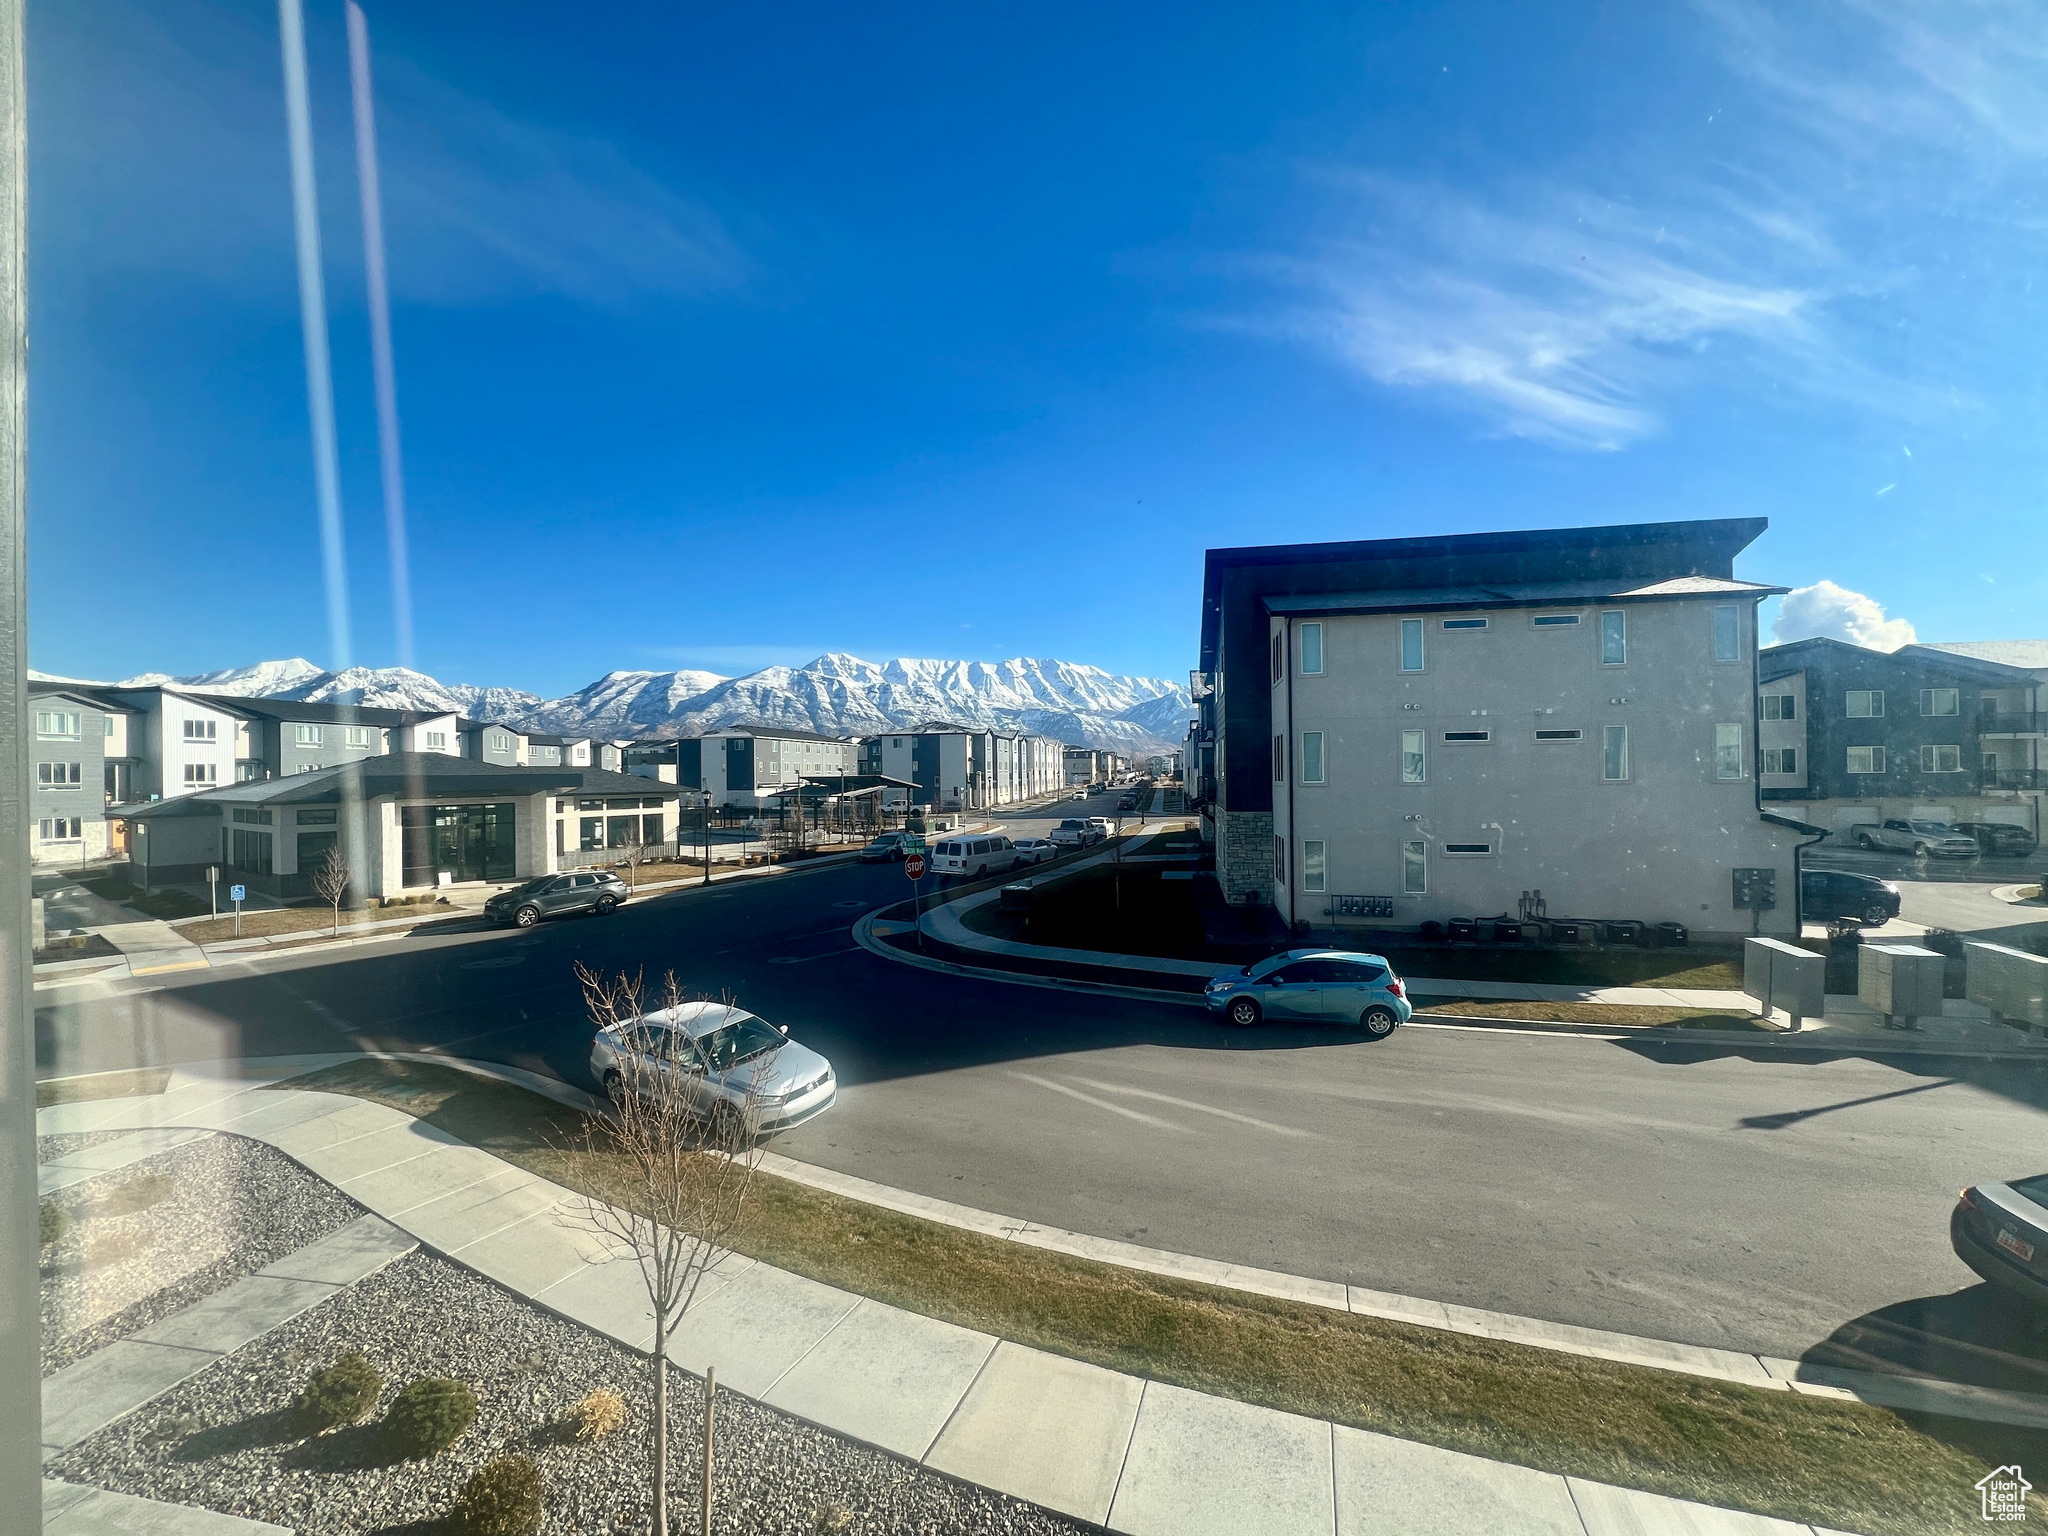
pixel 1415 730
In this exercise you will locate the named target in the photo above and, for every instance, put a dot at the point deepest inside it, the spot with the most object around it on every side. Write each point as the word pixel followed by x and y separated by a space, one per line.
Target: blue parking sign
pixel 237 892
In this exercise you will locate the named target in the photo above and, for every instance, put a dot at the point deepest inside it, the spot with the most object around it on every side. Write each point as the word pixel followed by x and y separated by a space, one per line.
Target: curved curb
pixel 863 935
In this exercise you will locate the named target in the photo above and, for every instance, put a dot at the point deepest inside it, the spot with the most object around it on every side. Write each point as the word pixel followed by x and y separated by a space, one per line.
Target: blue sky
pixel 729 335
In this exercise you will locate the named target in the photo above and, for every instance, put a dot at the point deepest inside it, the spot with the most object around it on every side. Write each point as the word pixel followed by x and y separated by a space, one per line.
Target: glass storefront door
pixel 467 842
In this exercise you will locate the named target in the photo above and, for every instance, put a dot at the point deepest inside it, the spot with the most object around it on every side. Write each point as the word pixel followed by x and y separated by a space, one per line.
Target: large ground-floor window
pixel 250 851
pixel 467 842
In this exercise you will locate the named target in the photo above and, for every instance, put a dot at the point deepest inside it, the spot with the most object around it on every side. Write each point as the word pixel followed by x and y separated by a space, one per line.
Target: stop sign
pixel 914 866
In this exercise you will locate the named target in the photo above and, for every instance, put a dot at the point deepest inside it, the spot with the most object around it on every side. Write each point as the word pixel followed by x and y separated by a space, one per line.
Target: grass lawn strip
pixel 1620 1015
pixel 1845 1465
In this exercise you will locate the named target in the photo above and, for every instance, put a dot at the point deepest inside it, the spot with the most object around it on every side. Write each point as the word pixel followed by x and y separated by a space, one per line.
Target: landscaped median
pixel 1843 1465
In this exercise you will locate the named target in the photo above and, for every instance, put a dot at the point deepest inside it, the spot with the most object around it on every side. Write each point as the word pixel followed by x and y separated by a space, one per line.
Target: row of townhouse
pixel 1085 766
pixel 1395 732
pixel 952 767
pixel 100 753
pixel 1956 732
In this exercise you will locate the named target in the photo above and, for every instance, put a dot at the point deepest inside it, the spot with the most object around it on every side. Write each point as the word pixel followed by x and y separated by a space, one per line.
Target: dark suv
pixel 1999 837
pixel 588 890
pixel 1836 896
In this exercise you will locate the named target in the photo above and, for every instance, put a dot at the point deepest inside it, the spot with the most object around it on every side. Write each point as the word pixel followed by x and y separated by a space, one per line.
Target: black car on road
pixel 1836 896
pixel 2000 837
pixel 590 890
pixel 2001 1231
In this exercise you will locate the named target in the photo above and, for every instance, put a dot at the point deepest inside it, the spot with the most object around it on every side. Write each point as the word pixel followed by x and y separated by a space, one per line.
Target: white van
pixel 974 856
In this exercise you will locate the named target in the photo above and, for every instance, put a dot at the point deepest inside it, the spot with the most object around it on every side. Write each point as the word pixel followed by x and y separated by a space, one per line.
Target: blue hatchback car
pixel 1315 986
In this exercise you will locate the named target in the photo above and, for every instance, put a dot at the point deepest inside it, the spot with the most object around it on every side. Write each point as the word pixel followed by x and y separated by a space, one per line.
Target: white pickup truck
pixel 1919 838
pixel 1075 832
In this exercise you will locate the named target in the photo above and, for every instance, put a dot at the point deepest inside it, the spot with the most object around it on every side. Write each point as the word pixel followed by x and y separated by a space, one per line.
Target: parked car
pixel 1102 825
pixel 1833 895
pixel 1035 850
pixel 888 848
pixel 2001 1231
pixel 1919 838
pixel 973 856
pixel 1075 832
pixel 719 1056
pixel 1327 986
pixel 2000 837
pixel 590 890
pixel 1079 794
pixel 1127 802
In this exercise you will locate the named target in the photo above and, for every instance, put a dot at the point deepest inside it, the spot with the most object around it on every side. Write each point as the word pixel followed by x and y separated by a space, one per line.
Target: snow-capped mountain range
pixel 835 695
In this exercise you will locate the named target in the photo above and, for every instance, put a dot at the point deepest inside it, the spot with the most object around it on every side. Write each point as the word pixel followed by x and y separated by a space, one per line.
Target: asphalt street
pixel 1691 1193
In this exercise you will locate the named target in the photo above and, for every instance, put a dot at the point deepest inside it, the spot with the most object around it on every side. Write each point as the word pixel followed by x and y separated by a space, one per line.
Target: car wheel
pixel 1919 850
pixel 1244 1013
pixel 1015 865
pixel 1877 916
pixel 1378 1023
pixel 526 917
pixel 614 1086
pixel 1866 844
pixel 606 906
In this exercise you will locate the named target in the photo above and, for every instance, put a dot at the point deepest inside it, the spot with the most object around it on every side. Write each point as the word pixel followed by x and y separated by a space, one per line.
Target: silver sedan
pixel 725 1060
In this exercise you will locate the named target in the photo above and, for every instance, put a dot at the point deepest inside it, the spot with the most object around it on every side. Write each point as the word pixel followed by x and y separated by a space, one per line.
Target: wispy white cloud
pixel 1562 320
pixel 1827 611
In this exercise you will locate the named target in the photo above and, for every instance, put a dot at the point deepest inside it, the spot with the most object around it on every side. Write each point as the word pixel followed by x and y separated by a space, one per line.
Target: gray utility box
pixel 1781 975
pixel 1900 980
pixel 2010 982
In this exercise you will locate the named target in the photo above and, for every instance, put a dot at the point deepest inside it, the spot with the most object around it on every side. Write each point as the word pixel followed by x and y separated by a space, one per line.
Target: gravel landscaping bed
pixel 207 1213
pixel 63 1143
pixel 224 1439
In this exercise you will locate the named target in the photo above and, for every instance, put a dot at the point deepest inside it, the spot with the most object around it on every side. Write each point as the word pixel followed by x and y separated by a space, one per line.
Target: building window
pixel 57 775
pixel 199 773
pixel 1555 621
pixel 1464 623
pixel 437 741
pixel 202 730
pixel 260 818
pixel 1941 759
pixel 1613 638
pixel 1864 704
pixel 250 851
pixel 1614 753
pixel 1411 645
pixel 307 768
pixel 108 722
pixel 61 724
pixel 1781 760
pixel 1414 868
pixel 1311 650
pixel 1866 760
pixel 1727 751
pixel 1780 706
pixel 590 832
pixel 1468 735
pixel 306 735
pixel 1560 735
pixel 1414 762
pixel 1279 657
pixel 1938 701
pixel 1279 758
pixel 1470 850
pixel 500 742
pixel 317 818
pixel 358 736
pixel 1312 874
pixel 1311 757
pixel 1727 634
pixel 60 829
pixel 248 770
pixel 1279 860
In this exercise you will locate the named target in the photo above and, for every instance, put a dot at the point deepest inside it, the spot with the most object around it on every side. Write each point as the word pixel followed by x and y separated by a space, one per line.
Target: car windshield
pixel 742 1039
pixel 2035 1188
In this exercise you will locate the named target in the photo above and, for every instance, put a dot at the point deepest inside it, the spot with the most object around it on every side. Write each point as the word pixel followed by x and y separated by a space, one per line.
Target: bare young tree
pixel 683 1151
pixel 632 853
pixel 330 883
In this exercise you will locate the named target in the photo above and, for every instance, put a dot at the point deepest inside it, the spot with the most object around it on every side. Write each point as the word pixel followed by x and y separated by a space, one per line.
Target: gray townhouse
pixel 81 764
pixel 406 821
pixel 1851 735
pixel 961 767
pixel 1402 731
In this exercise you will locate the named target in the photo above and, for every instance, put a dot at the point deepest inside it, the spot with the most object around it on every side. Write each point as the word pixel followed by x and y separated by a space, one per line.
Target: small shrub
pixel 599 1413
pixel 52 1222
pixel 501 1498
pixel 428 1416
pixel 340 1394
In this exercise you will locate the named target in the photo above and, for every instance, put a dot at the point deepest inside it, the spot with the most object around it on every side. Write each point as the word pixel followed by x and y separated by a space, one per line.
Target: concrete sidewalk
pixel 1136 1456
